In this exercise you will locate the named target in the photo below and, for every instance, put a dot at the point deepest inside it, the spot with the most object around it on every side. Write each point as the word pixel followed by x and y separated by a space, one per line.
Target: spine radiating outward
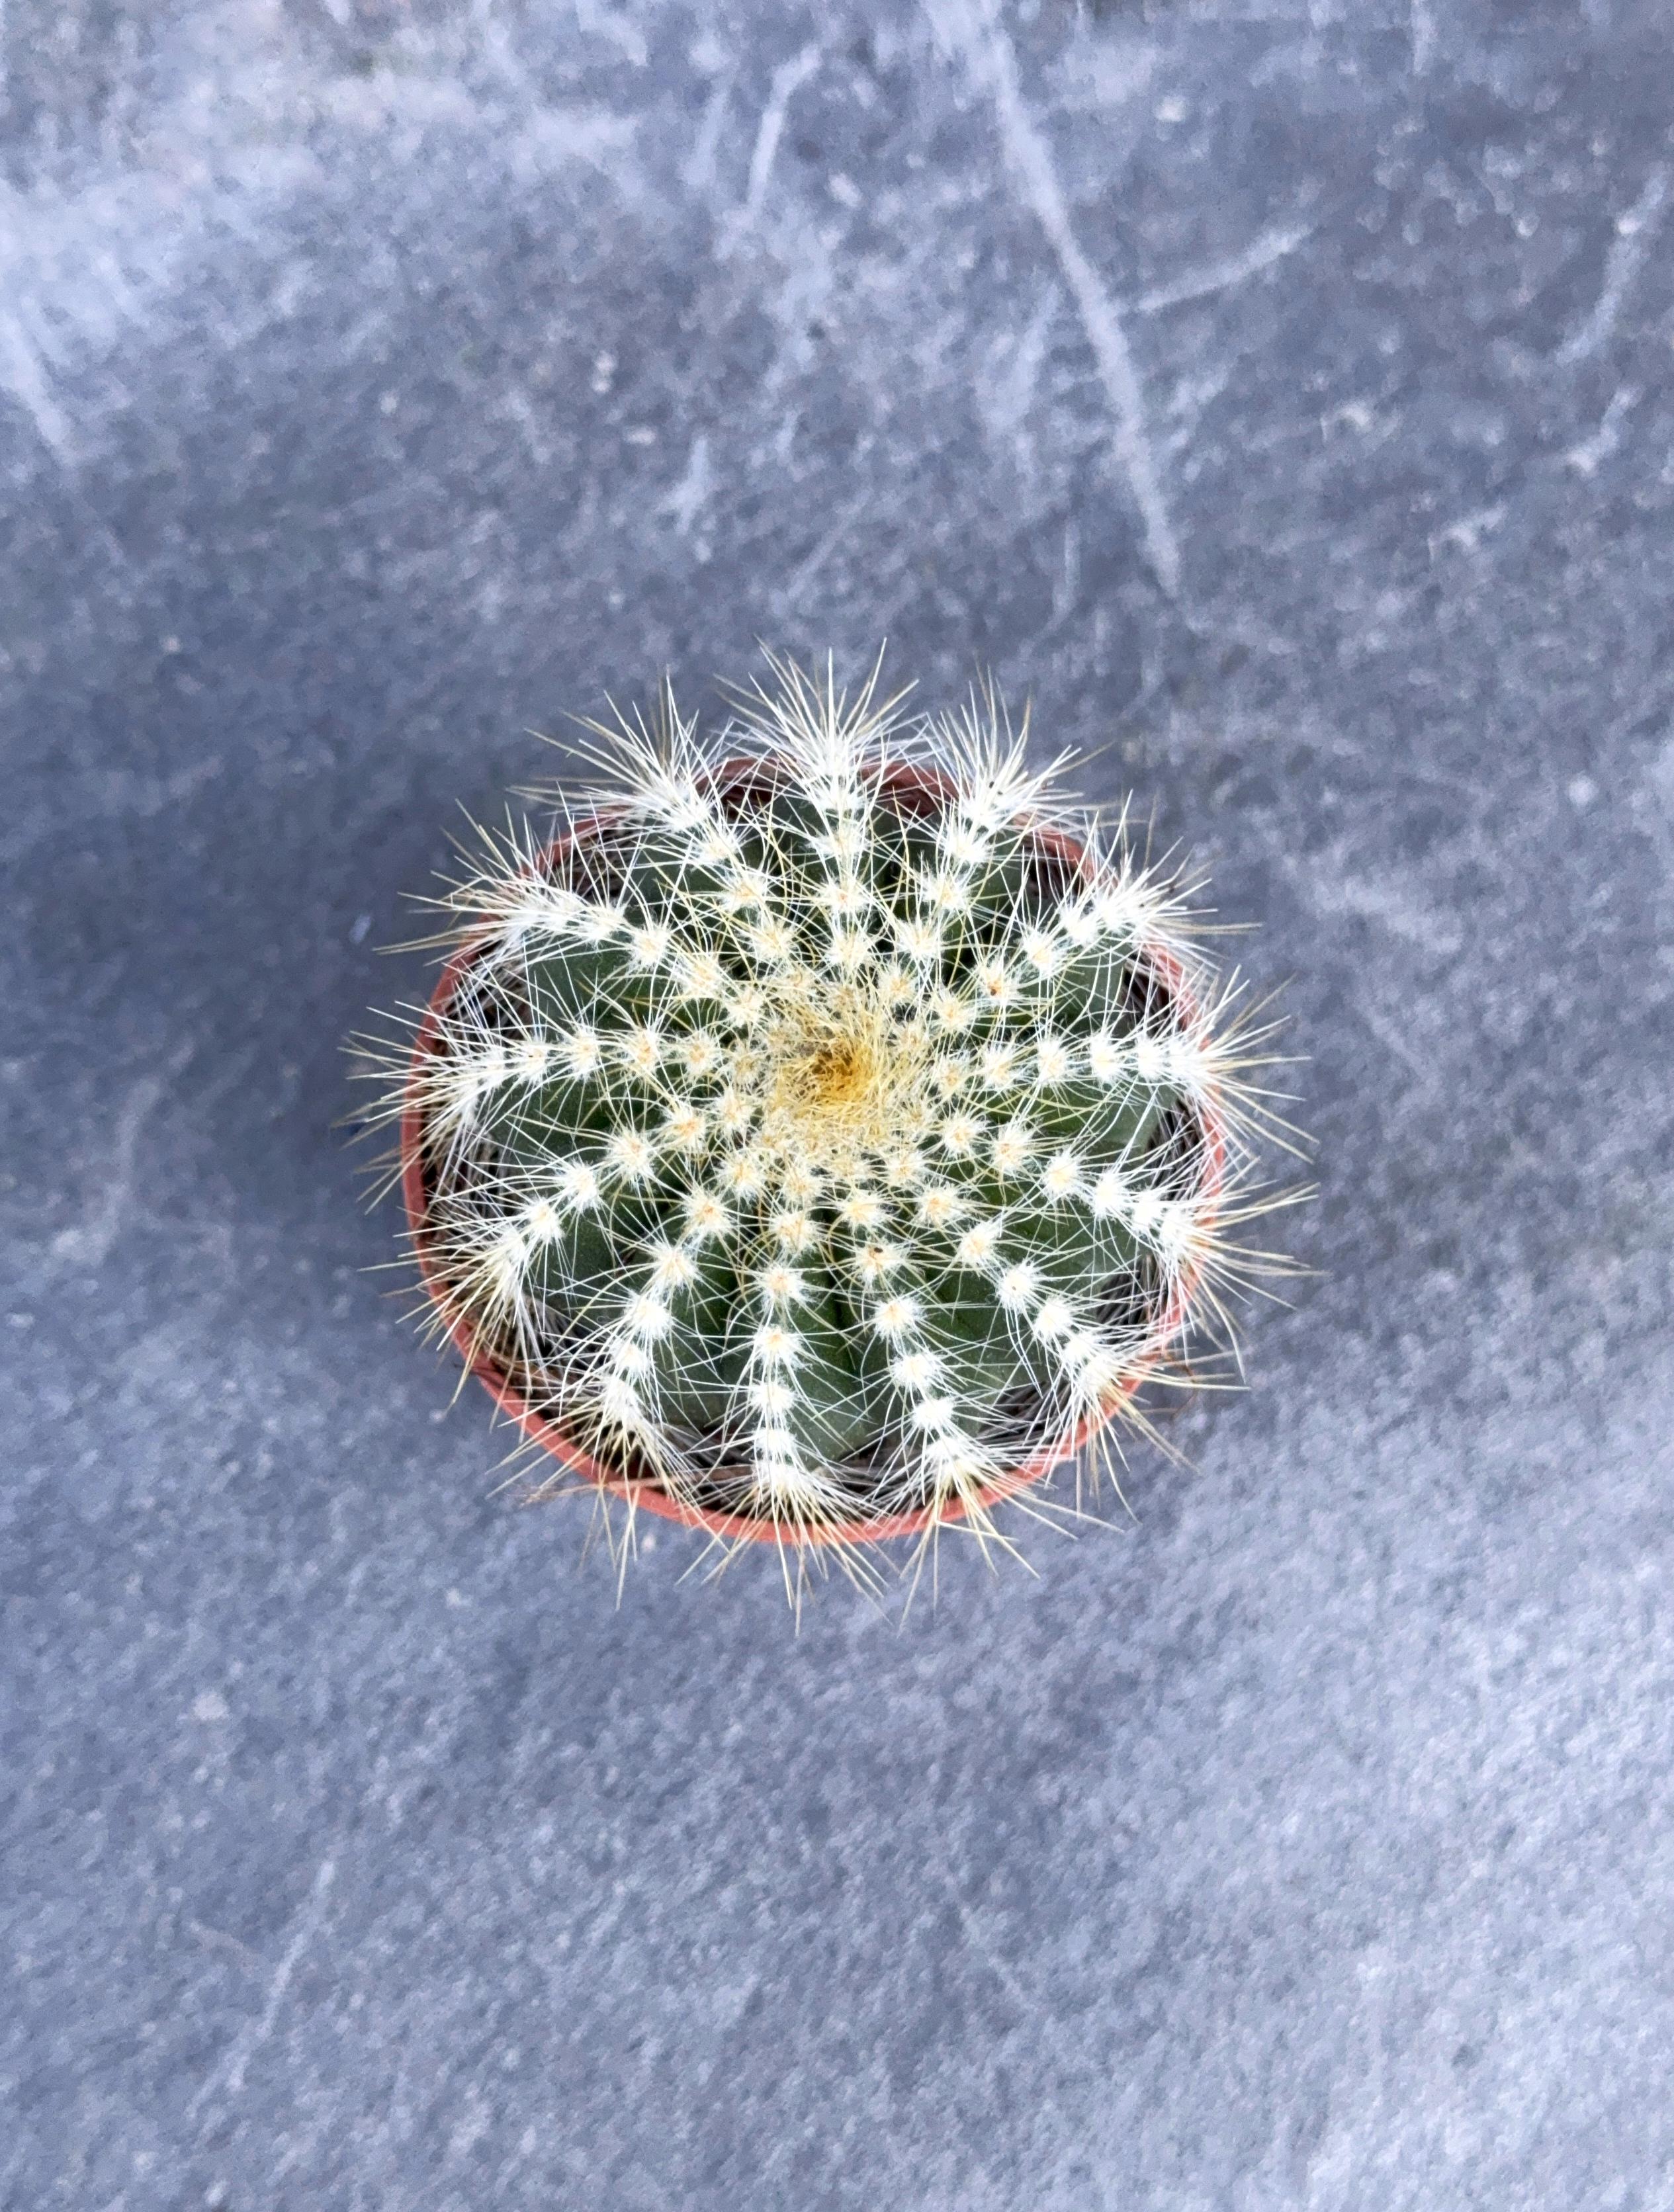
pixel 824 1125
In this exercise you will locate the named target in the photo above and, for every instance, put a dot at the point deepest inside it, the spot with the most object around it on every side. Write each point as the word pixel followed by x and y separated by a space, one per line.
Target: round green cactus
pixel 823 1127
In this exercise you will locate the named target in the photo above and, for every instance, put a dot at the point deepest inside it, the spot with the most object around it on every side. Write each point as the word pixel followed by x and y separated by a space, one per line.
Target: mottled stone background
pixel 1281 392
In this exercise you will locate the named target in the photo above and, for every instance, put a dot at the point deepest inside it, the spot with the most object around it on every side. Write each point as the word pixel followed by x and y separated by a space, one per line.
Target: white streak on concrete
pixel 229 2078
pixel 1008 385
pixel 87 1244
pixel 1421 30
pixel 1634 233
pixel 23 375
pixel 1067 583
pixel 849 518
pixel 1221 275
pixel 970 26
pixel 788 80
pixel 1335 884
pixel 610 23
pixel 686 499
pixel 700 169
pixel 555 137
pixel 1030 2006
pixel 1467 533
pixel 1586 457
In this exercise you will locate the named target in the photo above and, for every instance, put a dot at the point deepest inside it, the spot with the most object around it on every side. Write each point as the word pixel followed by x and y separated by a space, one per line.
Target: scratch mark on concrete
pixel 686 499
pixel 788 80
pixel 1469 531
pixel 700 170
pixel 1586 457
pixel 605 22
pixel 848 519
pixel 88 1242
pixel 1333 885
pixel 217 1939
pixel 558 136
pixel 1260 253
pixel 23 374
pixel 974 31
pixel 1006 393
pixel 1399 1046
pixel 1029 2007
pixel 230 2075
pixel 1422 29
pixel 1066 586
pixel 1634 232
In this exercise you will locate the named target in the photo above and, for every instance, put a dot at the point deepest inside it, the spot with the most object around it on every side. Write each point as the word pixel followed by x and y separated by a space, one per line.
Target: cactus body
pixel 825 1123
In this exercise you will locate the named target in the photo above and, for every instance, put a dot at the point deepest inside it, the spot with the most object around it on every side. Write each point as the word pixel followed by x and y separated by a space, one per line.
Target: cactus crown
pixel 824 1123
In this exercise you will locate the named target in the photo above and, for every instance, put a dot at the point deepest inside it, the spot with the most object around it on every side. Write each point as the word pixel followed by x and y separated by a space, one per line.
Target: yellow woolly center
pixel 838 1077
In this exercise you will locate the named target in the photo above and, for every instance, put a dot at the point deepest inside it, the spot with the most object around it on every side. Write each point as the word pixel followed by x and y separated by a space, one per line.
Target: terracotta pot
pixel 908 780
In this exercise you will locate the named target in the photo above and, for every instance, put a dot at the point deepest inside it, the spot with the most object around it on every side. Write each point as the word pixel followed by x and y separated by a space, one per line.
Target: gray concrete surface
pixel 1282 392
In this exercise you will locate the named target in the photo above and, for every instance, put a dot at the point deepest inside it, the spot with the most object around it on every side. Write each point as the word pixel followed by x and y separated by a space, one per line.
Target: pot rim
pixel 733 1528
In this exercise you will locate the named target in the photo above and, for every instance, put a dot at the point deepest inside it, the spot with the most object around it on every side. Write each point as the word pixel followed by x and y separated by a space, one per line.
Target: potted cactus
pixel 818 1132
